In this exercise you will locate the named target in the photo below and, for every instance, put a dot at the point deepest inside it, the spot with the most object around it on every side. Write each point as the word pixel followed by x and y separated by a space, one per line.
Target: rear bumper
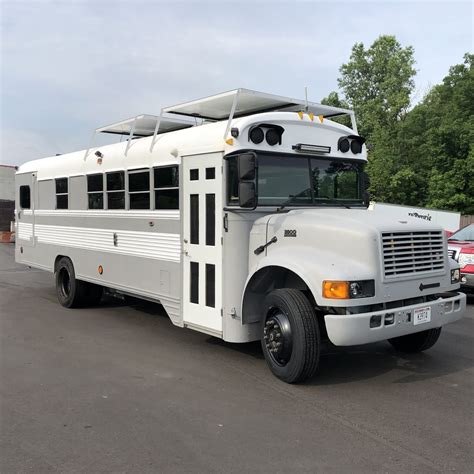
pixel 354 329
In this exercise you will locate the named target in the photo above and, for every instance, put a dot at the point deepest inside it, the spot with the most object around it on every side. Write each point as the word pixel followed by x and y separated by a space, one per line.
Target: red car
pixel 461 248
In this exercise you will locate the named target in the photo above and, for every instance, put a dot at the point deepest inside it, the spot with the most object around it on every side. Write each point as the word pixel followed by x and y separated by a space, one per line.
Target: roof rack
pixel 142 126
pixel 242 102
pixel 224 106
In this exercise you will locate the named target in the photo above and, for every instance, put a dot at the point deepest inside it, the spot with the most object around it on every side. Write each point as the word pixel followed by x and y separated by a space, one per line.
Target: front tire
pixel 290 335
pixel 73 293
pixel 418 342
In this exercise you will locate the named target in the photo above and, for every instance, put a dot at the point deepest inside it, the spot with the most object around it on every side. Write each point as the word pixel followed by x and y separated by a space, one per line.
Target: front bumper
pixel 469 283
pixel 354 329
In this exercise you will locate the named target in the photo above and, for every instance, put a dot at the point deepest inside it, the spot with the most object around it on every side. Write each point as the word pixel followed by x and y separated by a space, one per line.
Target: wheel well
pixel 262 282
pixel 56 261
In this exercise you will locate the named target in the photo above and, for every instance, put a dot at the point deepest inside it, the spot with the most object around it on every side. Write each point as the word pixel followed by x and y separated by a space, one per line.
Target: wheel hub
pixel 277 337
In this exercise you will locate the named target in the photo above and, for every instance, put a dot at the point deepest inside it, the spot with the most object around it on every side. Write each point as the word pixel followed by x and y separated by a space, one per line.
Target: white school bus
pixel 245 215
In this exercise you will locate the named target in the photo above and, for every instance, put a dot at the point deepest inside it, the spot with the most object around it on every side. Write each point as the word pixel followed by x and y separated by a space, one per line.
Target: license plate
pixel 421 315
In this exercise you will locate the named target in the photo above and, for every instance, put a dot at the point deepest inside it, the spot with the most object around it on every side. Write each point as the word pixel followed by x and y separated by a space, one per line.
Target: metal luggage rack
pixel 225 106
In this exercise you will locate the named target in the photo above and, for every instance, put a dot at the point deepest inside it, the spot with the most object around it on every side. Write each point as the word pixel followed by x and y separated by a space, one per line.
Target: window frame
pixel 165 188
pixel 116 191
pixel 148 191
pixel 96 192
pixel 62 194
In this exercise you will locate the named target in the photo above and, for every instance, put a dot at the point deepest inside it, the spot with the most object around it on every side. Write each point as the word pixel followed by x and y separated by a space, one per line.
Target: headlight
pixel 455 276
pixel 344 290
pixel 466 259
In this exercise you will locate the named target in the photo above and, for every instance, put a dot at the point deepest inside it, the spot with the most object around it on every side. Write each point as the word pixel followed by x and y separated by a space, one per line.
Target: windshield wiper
pixel 291 199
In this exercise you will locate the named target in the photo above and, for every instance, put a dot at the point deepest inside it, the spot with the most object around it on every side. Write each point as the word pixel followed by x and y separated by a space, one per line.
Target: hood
pixel 347 245
pixel 464 244
pixel 351 220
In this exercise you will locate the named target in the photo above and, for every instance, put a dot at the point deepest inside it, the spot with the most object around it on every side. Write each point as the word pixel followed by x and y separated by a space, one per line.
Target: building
pixel 7 196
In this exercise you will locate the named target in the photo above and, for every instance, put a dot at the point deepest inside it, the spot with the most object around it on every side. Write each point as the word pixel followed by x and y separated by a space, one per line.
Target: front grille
pixel 406 253
pixel 452 254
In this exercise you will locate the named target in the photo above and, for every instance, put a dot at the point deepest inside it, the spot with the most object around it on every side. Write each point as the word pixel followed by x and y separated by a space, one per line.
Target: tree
pixel 423 156
pixel 377 83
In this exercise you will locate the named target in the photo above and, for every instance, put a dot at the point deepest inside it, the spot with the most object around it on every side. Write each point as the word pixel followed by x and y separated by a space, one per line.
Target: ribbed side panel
pixel 25 231
pixel 406 253
pixel 155 245
pixel 163 214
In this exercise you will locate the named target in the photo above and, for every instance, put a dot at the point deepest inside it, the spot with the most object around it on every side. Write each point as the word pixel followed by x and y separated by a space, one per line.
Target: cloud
pixel 69 67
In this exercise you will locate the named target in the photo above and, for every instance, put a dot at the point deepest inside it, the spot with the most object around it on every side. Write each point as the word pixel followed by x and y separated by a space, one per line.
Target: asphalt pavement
pixel 119 389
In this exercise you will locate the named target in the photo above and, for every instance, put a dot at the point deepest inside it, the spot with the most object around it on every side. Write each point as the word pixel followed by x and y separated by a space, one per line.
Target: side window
pixel 61 193
pixel 25 197
pixel 166 187
pixel 232 181
pixel 95 191
pixel 139 189
pixel 116 190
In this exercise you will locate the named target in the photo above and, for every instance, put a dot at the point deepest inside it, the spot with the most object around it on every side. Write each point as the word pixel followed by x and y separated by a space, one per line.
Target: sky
pixel 68 67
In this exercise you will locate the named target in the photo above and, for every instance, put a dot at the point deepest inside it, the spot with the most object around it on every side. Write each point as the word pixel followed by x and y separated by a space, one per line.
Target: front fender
pixel 313 266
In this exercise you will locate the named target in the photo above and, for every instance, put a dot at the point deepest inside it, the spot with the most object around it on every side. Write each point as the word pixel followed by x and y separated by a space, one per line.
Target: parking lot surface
pixel 118 388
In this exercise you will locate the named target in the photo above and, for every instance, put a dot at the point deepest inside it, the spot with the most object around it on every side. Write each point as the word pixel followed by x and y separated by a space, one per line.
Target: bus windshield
pixel 288 180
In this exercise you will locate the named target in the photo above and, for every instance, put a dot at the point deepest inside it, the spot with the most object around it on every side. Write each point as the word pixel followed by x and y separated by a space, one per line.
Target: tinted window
pixel 166 187
pixel 194 174
pixel 194 218
pixel 210 219
pixel 140 201
pixel 96 200
pixel 95 182
pixel 25 197
pixel 280 178
pixel 335 180
pixel 194 283
pixel 61 201
pixel 61 186
pixel 210 173
pixel 116 181
pixel 61 193
pixel 139 181
pixel 116 200
pixel 166 177
pixel 301 181
pixel 232 180
pixel 466 234
pixel 167 199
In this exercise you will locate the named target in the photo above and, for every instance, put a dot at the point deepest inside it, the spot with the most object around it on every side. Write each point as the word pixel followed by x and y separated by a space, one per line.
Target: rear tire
pixel 418 342
pixel 290 335
pixel 73 293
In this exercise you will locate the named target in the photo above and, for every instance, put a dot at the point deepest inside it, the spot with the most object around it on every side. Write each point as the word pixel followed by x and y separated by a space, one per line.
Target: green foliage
pixel 377 83
pixel 419 157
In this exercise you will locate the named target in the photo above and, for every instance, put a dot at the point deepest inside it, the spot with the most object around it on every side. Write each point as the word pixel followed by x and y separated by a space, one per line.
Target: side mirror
pixel 247 195
pixel 247 165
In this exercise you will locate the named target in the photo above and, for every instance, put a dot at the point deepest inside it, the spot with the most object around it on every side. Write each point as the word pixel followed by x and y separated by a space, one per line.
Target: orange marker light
pixel 230 141
pixel 100 269
pixel 338 290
